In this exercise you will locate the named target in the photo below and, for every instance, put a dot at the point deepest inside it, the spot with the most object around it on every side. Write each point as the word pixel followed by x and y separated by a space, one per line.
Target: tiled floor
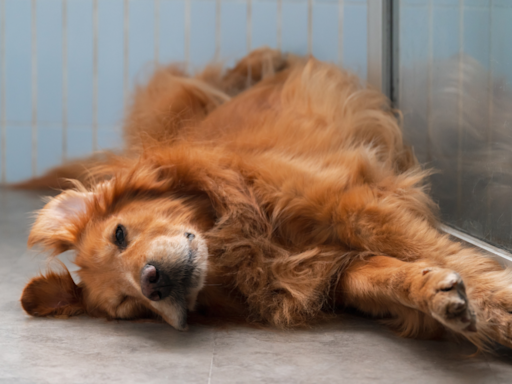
pixel 84 350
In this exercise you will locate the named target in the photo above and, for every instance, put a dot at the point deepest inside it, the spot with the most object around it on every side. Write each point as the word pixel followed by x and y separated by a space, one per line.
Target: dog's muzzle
pixel 173 275
pixel 168 287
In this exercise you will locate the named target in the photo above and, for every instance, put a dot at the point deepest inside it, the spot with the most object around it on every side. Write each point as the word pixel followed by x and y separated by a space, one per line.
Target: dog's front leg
pixel 383 285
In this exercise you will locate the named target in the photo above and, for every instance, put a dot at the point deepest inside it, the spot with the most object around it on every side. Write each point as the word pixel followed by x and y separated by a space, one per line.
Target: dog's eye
pixel 190 236
pixel 120 236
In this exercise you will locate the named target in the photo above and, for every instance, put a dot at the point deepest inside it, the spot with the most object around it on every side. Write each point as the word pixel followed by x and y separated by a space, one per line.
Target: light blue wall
pixel 58 82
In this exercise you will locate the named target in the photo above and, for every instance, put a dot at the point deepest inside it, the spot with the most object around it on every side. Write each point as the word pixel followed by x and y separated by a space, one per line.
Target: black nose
pixel 155 283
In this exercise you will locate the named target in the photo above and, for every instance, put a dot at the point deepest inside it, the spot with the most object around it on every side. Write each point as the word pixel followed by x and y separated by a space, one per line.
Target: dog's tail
pixel 86 170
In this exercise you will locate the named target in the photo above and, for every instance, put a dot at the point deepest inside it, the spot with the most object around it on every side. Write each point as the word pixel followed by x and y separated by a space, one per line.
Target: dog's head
pixel 140 250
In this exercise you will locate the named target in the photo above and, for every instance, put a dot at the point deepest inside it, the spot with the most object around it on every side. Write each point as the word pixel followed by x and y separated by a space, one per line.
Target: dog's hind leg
pixel 171 100
pixel 169 103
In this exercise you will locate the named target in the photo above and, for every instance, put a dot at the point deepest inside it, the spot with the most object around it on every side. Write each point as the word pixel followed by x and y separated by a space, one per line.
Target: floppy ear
pixel 60 221
pixel 53 294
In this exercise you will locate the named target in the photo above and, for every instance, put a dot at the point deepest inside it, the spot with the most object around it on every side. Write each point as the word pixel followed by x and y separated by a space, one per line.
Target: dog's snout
pixel 155 283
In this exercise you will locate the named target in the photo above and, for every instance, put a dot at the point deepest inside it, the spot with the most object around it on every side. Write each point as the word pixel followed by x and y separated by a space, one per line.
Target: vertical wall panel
pixel 264 23
pixel 439 3
pixel 405 3
pixel 142 34
pixel 475 46
pixel 110 62
pixel 18 60
pixel 445 46
pixel 414 53
pixel 49 144
pixel 80 77
pixel 445 32
pixel 414 35
pixel 110 73
pixel 325 31
pixel 202 33
pixel 354 49
pixel 295 26
pixel 233 30
pixel 501 34
pixel 477 30
pixel 19 152
pixel 18 89
pixel 49 84
pixel 172 31
pixel 49 61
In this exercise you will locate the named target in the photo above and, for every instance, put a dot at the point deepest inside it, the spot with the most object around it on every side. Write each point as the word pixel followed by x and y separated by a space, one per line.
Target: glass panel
pixel 455 90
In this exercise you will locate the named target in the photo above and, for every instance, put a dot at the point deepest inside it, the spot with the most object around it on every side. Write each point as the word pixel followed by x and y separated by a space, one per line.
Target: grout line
pixel 341 16
pixel 187 35
pixel 95 77
pixel 279 24
pixel 211 362
pixel 3 94
pixel 64 80
pixel 126 52
pixel 211 370
pixel 217 30
pixel 34 88
pixel 460 110
pixel 157 33
pixel 249 25
pixel 310 27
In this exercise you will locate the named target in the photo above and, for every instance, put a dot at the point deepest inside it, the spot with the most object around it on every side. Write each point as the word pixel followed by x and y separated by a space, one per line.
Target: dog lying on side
pixel 276 190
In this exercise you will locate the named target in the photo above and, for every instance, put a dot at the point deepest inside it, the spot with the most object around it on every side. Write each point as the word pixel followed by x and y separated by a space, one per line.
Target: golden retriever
pixel 275 191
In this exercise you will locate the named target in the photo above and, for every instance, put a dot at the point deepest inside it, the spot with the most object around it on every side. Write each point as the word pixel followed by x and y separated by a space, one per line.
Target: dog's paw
pixel 448 301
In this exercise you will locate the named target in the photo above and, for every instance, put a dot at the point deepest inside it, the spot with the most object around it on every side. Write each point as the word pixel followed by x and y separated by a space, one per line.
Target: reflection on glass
pixel 456 94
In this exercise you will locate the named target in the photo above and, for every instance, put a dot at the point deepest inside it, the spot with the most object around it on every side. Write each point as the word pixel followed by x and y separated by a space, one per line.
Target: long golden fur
pixel 275 191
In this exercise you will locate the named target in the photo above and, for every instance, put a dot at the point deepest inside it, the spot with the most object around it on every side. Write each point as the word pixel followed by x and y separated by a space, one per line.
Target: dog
pixel 275 191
